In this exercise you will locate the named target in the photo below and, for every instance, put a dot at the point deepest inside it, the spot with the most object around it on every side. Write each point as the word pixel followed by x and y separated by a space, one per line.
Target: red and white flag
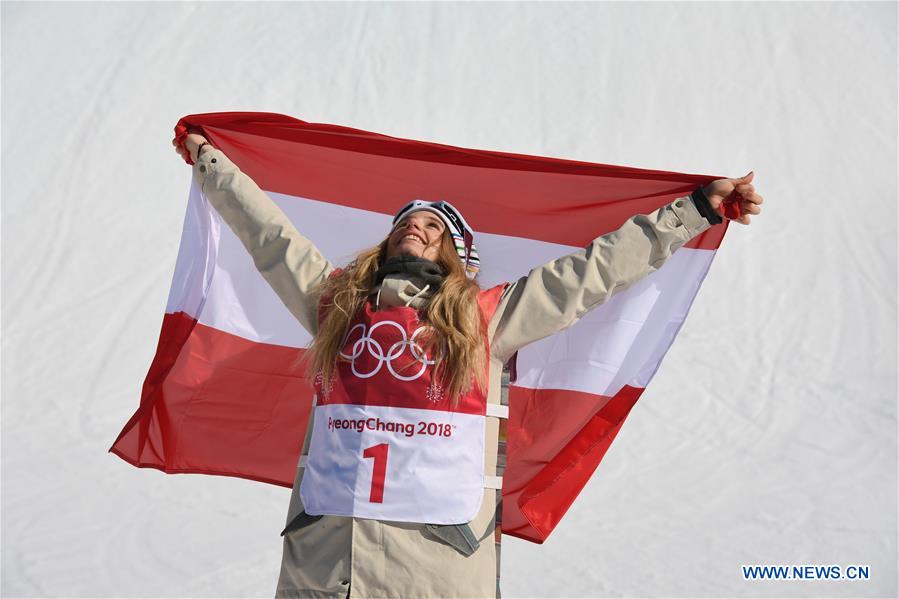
pixel 222 395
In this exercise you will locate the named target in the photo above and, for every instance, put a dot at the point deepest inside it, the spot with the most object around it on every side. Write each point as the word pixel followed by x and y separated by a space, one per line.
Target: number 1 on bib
pixel 379 471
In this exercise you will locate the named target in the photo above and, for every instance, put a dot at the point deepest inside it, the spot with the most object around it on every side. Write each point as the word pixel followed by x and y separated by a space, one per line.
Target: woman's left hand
pixel 737 190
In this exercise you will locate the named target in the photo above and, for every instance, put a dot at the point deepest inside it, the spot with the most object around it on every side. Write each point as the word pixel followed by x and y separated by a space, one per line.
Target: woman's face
pixel 418 234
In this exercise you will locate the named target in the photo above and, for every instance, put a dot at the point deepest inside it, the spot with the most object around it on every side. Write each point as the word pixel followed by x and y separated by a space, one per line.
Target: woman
pixel 403 336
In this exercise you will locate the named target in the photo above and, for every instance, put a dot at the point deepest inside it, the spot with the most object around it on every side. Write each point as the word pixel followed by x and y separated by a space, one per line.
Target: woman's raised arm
pixel 289 262
pixel 554 296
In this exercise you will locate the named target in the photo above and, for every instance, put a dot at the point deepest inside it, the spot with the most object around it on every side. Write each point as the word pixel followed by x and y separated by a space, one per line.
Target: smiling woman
pixel 396 494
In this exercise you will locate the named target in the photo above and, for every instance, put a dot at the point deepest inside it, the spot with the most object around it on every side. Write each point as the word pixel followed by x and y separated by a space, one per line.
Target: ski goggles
pixel 462 234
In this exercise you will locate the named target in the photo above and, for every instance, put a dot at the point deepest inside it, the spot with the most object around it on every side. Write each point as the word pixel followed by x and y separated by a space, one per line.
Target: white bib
pixel 384 445
pixel 400 464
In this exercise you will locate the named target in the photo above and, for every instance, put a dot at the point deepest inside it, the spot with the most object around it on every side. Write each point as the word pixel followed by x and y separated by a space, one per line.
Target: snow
pixel 768 436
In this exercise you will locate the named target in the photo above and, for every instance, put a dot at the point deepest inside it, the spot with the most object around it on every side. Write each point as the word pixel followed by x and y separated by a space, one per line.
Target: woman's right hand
pixel 191 143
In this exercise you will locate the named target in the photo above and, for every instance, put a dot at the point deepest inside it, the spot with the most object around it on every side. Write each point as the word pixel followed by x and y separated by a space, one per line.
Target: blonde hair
pixel 457 344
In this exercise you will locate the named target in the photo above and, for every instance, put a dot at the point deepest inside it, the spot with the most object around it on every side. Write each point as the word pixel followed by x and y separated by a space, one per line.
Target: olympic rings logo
pixel 374 348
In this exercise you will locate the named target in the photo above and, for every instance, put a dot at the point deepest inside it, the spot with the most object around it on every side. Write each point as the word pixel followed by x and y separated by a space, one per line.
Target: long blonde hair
pixel 457 345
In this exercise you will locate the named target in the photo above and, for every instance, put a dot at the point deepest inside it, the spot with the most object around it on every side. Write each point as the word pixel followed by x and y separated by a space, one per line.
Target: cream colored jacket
pixel 338 556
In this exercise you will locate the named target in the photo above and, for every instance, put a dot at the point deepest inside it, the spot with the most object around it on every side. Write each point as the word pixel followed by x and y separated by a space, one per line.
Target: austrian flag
pixel 223 394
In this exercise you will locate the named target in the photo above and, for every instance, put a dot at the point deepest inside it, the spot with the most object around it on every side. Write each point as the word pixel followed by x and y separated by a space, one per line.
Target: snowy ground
pixel 768 435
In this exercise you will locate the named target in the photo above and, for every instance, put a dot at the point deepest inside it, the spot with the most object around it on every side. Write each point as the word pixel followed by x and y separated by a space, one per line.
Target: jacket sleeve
pixel 554 296
pixel 289 262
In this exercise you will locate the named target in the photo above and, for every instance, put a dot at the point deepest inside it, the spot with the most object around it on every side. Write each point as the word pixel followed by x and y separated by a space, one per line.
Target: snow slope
pixel 768 435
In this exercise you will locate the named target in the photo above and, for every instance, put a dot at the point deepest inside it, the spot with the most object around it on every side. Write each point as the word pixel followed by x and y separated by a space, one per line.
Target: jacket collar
pixel 406 281
pixel 402 289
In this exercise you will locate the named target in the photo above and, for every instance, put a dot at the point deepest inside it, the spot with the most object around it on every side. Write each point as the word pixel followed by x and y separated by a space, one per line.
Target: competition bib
pixel 384 445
